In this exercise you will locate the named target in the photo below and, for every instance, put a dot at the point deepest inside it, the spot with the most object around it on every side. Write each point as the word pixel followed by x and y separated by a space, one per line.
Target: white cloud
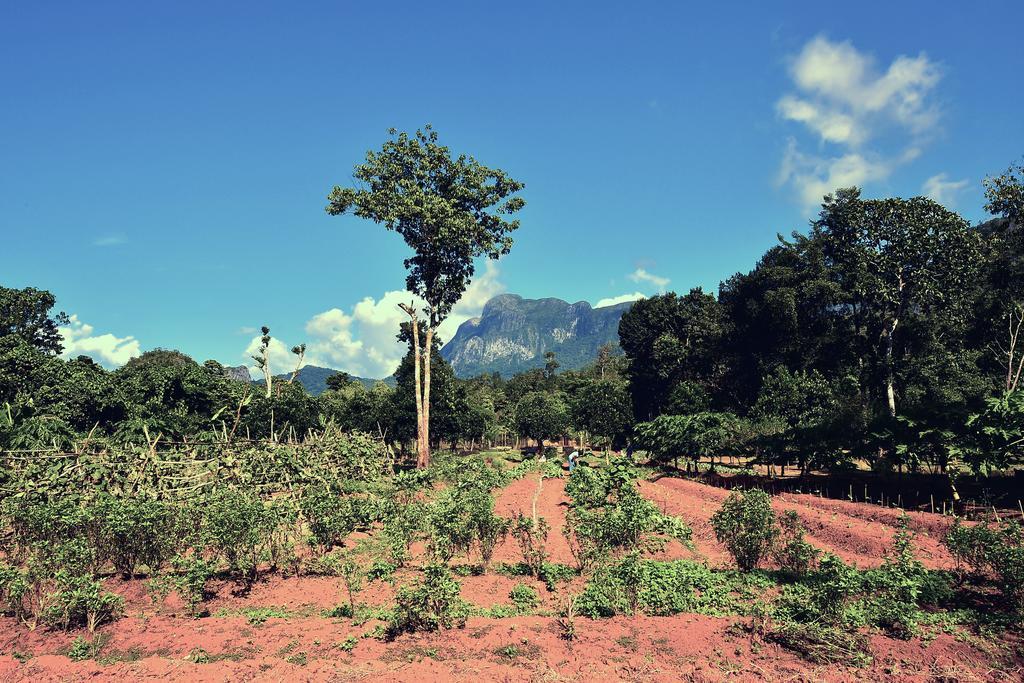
pixel 620 299
pixel 106 349
pixel 364 342
pixel 845 101
pixel 942 189
pixel 813 177
pixel 641 275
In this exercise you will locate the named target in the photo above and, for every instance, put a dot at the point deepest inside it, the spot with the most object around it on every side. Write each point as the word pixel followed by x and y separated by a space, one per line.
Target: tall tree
pixel 25 313
pixel 895 258
pixel 450 211
pixel 1004 290
pixel 671 341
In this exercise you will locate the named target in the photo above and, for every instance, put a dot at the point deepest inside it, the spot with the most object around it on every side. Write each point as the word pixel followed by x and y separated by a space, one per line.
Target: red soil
pixel 857 532
pixel 154 642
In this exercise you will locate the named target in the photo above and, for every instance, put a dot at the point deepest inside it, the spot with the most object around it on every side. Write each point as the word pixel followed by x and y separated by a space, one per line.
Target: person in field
pixel 573 457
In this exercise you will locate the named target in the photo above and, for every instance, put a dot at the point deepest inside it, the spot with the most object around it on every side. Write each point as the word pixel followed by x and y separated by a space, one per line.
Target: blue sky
pixel 163 168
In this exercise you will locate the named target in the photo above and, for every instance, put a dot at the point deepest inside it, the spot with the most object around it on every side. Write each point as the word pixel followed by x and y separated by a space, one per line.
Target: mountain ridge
pixel 512 334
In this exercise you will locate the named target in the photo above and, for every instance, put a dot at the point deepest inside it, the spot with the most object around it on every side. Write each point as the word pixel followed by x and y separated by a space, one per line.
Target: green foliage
pixel 996 552
pixel 703 434
pixel 532 536
pixel 449 210
pixel 238 526
pixel 602 407
pixel 745 524
pixel 524 597
pixel 188 576
pixel 895 589
pixel 429 604
pixel 658 588
pixel 25 314
pixel 841 597
pixel 540 415
pixel 609 516
pixel 996 436
pixel 80 650
pixel 135 532
pixel 330 516
pixel 671 341
pixel 794 555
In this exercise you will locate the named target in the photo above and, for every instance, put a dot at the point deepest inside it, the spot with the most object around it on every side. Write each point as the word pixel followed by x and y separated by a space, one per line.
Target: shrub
pixel 998 552
pixel 191 572
pixel 794 555
pixel 587 487
pixel 40 591
pixel 82 601
pixel 969 547
pixel 238 527
pixel 330 516
pixel 524 597
pixel 553 573
pixel 430 604
pixel 609 516
pixel 745 524
pixel 404 518
pixel 532 537
pixel 656 588
pixel 80 650
pixel 894 589
pixel 132 532
pixel 448 529
pixel 827 596
pixel 485 529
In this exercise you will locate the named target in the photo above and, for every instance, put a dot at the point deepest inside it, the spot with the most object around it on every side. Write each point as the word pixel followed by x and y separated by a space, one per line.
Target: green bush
pixel 840 596
pixel 461 520
pixel 609 517
pixel 134 532
pixel 430 604
pixel 894 590
pixel 330 516
pixel 657 588
pixel 1006 557
pixel 969 546
pixel 81 601
pixel 524 597
pixel 239 528
pixel 188 576
pixel 553 573
pixel 997 552
pixel 794 555
pixel 532 539
pixel 827 596
pixel 745 524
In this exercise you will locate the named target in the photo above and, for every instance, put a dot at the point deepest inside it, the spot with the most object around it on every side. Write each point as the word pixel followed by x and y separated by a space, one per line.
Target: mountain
pixel 314 379
pixel 239 373
pixel 513 334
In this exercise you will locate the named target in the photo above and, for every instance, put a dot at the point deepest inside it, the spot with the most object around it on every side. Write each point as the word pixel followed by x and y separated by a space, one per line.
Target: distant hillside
pixel 239 373
pixel 513 334
pixel 314 378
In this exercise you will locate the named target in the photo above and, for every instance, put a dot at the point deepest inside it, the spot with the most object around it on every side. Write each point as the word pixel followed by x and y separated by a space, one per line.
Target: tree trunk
pixel 424 457
pixel 890 390
pixel 422 445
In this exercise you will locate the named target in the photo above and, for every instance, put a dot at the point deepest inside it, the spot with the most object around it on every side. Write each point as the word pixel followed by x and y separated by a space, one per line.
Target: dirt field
pixel 159 642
